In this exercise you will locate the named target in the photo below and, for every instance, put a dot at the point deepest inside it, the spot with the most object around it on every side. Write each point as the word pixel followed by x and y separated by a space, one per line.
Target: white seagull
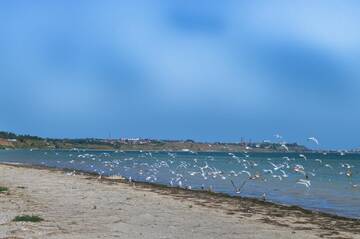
pixel 313 139
pixel 304 182
pixel 285 147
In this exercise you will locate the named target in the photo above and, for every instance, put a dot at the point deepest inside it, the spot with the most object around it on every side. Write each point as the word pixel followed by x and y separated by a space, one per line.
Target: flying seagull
pixel 313 139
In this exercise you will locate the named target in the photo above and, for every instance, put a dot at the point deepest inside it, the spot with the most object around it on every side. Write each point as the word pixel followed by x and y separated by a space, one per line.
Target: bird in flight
pixel 313 139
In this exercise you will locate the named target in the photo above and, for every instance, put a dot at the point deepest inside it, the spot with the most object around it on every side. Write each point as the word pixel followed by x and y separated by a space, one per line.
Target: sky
pixel 202 70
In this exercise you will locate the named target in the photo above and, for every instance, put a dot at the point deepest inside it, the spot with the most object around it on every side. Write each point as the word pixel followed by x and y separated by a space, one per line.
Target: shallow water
pixel 331 189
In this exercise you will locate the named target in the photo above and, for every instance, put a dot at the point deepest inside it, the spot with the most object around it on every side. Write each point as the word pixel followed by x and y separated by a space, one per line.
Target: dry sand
pixel 83 206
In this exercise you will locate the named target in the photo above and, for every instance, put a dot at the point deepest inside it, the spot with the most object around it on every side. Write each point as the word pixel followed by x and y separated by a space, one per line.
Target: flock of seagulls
pixel 237 173
pixel 230 172
pixel 189 169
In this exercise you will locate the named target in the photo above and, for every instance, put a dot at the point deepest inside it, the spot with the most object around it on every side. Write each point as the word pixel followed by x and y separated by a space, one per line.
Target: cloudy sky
pixel 205 70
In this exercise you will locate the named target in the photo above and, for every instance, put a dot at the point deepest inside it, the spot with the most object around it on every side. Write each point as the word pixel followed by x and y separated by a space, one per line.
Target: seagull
pixel 329 166
pixel 312 174
pixel 263 197
pixel 313 139
pixel 299 169
pixel 348 166
pixel 277 176
pixel 304 182
pixel 285 147
pixel 268 171
pixel 276 167
pixel 303 156
pixel 287 158
pixel 284 175
pixel 247 172
pixel 238 189
pixel 193 173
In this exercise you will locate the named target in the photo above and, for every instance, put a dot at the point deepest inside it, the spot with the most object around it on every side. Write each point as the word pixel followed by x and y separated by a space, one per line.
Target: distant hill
pixel 10 140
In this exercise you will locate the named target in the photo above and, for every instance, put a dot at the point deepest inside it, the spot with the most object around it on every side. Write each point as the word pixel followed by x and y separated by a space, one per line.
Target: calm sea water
pixel 333 187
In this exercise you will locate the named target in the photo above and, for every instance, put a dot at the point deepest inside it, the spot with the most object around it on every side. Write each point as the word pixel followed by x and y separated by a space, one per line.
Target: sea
pixel 326 182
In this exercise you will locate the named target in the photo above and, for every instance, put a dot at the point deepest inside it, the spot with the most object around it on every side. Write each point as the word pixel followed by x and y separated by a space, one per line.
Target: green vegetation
pixel 9 135
pixel 28 218
pixel 3 189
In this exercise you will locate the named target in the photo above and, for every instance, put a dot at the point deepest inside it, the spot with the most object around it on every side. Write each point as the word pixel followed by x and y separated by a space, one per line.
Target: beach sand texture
pixel 83 206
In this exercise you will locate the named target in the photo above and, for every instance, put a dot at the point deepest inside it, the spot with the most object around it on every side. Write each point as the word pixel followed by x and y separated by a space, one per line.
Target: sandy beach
pixel 79 205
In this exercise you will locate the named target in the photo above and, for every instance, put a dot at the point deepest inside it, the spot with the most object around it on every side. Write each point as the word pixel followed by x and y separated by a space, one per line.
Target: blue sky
pixel 205 70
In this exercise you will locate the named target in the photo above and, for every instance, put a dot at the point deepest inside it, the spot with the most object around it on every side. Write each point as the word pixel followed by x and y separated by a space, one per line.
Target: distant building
pixel 130 140
pixel 133 139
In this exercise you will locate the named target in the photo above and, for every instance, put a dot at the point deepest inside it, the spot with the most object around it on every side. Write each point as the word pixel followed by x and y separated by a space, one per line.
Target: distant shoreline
pixel 164 150
pixel 11 140
pixel 173 147
pixel 180 151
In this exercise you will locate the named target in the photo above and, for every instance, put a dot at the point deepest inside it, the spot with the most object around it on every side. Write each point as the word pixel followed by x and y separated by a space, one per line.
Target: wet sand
pixel 81 205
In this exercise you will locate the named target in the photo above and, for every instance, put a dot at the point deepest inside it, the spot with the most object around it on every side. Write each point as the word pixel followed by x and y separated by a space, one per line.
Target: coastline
pixel 152 150
pixel 261 219
pixel 171 150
